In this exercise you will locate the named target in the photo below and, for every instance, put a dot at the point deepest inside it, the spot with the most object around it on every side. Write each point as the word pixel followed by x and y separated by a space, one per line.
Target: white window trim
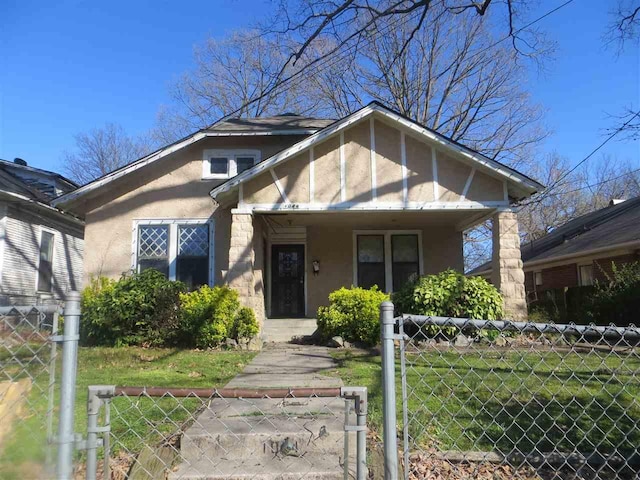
pixel 231 154
pixel 580 279
pixel 173 244
pixel 53 257
pixel 388 261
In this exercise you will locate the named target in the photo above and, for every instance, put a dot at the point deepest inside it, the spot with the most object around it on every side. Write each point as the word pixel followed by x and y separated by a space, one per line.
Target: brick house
pixel 582 251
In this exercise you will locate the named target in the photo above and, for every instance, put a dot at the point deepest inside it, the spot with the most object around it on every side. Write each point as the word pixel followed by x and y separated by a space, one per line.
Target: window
pixel 219 165
pixel 45 265
pixel 371 265
pixel 228 163
pixel 192 261
pixel 180 249
pixel 537 277
pixel 585 274
pixel 153 248
pixel 404 256
pixel 244 163
pixel 386 259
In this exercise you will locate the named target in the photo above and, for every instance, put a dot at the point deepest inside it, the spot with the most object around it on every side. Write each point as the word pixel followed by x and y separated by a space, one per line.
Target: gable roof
pixel 527 185
pixel 30 177
pixel 607 228
pixel 287 124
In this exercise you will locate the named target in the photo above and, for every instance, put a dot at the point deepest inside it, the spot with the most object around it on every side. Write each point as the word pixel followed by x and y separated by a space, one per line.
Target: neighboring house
pixel 582 250
pixel 287 209
pixel 40 246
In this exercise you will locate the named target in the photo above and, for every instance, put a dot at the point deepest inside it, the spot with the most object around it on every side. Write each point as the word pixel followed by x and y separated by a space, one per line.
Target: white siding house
pixel 41 248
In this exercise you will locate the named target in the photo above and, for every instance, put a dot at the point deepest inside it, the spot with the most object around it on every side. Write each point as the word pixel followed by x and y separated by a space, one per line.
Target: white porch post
pixel 240 276
pixel 507 273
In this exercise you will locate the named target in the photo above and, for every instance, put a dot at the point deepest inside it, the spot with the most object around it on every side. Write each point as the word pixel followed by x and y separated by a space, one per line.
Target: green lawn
pixel 488 400
pixel 132 419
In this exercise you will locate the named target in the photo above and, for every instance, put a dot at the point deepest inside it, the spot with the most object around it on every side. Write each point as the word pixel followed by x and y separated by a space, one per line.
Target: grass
pixel 132 419
pixel 487 400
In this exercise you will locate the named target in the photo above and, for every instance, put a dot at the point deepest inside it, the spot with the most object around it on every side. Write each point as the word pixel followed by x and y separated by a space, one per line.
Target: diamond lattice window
pixel 153 248
pixel 192 263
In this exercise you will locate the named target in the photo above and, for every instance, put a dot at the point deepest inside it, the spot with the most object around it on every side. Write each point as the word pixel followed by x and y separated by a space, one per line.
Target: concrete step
pixel 281 467
pixel 282 330
pixel 266 439
pixel 238 429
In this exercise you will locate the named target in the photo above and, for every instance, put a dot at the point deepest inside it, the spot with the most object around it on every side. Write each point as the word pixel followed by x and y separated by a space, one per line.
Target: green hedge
pixel 146 309
pixel 449 294
pixel 353 314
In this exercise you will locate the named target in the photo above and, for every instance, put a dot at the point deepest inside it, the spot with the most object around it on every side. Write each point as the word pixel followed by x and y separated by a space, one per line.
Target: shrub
pixel 212 314
pixel 139 309
pixel 245 326
pixel 618 299
pixel 353 313
pixel 449 294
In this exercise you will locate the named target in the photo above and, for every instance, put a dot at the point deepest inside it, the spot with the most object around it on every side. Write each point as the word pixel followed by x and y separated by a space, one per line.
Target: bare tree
pixel 450 77
pixel 576 192
pixel 228 76
pixel 100 151
pixel 624 24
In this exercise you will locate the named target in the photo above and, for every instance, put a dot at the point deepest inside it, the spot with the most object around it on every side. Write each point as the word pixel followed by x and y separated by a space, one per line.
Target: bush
pixel 212 314
pixel 353 313
pixel 618 299
pixel 139 309
pixel 449 294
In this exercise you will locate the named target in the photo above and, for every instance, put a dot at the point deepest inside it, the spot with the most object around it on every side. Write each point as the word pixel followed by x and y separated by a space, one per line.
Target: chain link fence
pixel 500 400
pixel 27 380
pixel 179 433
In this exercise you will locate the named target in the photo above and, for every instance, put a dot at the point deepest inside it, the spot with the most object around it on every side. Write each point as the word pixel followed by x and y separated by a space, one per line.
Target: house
pixel 40 246
pixel 287 209
pixel 581 251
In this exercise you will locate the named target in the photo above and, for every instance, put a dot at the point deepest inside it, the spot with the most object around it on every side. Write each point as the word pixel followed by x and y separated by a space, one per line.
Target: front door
pixel 287 281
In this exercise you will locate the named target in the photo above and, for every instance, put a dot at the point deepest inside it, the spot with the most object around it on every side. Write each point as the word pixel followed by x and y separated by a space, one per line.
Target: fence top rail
pixel 229 392
pixel 506 325
pixel 28 309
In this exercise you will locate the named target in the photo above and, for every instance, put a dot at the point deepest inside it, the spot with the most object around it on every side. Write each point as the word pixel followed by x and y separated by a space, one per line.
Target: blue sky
pixel 70 67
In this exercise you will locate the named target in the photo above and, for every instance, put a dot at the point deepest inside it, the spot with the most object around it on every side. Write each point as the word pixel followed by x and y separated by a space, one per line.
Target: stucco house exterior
pixel 287 209
pixel 40 246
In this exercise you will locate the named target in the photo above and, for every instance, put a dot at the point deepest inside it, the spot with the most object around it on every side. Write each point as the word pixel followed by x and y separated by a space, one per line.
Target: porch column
pixel 240 276
pixel 507 274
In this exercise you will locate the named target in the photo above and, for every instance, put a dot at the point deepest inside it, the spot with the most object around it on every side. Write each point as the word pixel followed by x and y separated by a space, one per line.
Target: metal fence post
pixel 66 437
pixel 389 428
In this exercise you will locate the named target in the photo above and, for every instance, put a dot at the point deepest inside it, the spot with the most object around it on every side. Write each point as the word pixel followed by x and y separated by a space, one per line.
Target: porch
pixel 285 264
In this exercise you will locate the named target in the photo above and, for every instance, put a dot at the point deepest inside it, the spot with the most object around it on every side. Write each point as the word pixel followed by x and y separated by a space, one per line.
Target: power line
pixel 545 193
pixel 355 44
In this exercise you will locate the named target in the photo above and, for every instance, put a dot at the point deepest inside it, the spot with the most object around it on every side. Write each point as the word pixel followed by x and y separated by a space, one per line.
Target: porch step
pixel 266 439
pixel 282 330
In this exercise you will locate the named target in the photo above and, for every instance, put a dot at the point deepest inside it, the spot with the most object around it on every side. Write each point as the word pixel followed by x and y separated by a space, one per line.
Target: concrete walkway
pixel 269 439
pixel 285 365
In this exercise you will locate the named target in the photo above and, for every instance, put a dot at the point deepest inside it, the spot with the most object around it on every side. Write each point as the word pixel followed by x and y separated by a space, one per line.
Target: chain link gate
pixel 185 433
pixel 28 356
pixel 501 400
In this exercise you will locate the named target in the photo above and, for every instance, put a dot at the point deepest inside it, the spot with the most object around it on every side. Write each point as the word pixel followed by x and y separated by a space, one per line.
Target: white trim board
pixel 367 206
pixel 173 245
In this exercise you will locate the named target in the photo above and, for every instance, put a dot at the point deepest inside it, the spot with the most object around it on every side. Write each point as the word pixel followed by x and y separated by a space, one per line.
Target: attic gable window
pixel 223 164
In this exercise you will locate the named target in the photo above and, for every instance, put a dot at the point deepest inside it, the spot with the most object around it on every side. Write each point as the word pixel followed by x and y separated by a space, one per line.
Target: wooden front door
pixel 287 281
